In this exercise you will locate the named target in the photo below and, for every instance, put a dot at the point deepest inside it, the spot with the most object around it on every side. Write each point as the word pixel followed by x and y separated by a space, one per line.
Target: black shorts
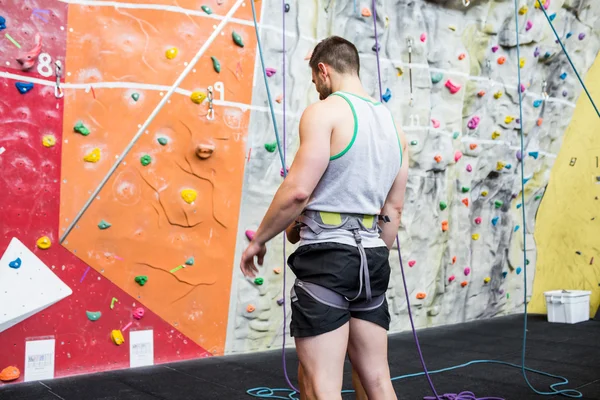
pixel 336 267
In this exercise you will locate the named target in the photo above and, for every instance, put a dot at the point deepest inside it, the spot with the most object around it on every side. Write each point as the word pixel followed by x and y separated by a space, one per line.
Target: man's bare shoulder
pixel 324 111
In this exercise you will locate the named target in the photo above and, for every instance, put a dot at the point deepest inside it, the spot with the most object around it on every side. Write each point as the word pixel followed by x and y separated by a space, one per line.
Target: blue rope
pixel 570 61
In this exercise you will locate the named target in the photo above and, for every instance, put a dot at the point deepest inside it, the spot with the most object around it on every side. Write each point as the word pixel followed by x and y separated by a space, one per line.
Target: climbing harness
pixel 355 223
pixel 211 111
pixel 58 92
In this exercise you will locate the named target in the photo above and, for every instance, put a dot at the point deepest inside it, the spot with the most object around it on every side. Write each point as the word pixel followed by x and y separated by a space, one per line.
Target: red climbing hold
pixel 465 202
pixel 412 263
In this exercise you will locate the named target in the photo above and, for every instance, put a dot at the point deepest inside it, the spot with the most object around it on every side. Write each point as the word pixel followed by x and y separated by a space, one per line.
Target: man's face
pixel 323 85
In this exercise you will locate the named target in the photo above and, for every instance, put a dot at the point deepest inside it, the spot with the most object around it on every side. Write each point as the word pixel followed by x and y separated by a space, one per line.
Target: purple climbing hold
pixel 501 291
pixel 581 36
pixel 280 302
pixel 536 52
pixel 376 47
pixel 467 271
pixel 495 48
pixel 473 122
pixel 529 25
pixel 519 155
pixel 565 93
pixel 469 168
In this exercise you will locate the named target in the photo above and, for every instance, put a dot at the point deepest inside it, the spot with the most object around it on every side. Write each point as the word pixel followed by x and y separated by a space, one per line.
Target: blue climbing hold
pixel 504 274
pixel 387 95
pixel 519 270
pixel 525 180
pixel 15 264
pixel 537 103
pixel 2 23
pixel 495 220
pixel 552 17
pixel 516 228
pixel 24 87
pixel 569 34
pixel 508 166
pixel 519 205
pixel 563 76
pixel 548 54
pixel 534 154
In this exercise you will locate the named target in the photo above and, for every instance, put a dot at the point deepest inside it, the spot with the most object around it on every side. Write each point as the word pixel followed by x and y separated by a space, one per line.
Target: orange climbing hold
pixel 279 99
pixel 438 158
pixel 10 373
pixel 539 121
pixel 465 202
pixel 444 226
pixel 464 283
pixel 454 260
pixel 481 93
pixel 277 270
pixel 462 56
pixel 250 308
pixel 421 295
pixel 366 12
pixel 473 146
pixel 501 60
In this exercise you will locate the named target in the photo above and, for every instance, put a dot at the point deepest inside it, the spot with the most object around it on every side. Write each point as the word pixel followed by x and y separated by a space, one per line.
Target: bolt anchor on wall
pixel 211 111
pixel 58 92
pixel 409 43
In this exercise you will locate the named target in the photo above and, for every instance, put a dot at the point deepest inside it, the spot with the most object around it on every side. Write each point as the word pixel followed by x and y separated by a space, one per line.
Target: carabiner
pixel 211 112
pixel 58 92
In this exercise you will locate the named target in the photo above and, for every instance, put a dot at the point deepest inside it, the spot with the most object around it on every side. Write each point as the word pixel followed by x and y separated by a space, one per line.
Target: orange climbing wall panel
pixel 153 230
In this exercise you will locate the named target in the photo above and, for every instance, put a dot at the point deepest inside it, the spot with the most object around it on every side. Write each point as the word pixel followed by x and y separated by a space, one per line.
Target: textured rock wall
pixel 463 174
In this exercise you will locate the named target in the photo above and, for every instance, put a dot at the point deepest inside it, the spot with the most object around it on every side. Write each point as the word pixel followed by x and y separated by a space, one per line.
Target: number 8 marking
pixel 44 65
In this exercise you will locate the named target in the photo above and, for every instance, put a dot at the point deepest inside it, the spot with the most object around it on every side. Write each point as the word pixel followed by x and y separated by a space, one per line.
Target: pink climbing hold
pixel 27 60
pixel 451 278
pixel 473 122
pixel 522 88
pixel 467 271
pixel 412 263
pixel 452 87
pixel 270 71
pixel 423 37
pixel 281 171
pixel 469 168
pixel 529 25
pixel 457 156
pixel 495 48
pixel 138 313
pixel 478 220
pixel 436 123
pixel 250 234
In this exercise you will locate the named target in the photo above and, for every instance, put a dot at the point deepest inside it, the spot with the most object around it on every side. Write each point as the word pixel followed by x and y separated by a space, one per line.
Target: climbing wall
pixel 150 256
pixel 449 74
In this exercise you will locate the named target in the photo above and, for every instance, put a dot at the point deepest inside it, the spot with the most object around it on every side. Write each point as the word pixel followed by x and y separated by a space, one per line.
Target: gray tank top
pixel 358 179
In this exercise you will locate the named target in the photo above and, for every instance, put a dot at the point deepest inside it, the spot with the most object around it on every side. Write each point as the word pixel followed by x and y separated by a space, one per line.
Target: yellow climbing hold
pixel 44 243
pixel 522 62
pixel 487 279
pixel 400 72
pixel 484 193
pixel 497 95
pixel 452 27
pixel 523 10
pixel 172 53
pixel 387 21
pixel 500 165
pixel 537 3
pixel 189 195
pixel 93 156
pixel 198 97
pixel 475 236
pixel 495 135
pixel 508 119
pixel 117 337
pixel 49 140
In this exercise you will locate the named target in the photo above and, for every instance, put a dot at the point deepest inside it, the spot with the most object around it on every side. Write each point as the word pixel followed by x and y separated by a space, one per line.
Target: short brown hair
pixel 337 52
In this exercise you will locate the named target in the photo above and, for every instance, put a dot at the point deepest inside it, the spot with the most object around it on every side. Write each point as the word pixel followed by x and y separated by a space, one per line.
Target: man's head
pixel 330 60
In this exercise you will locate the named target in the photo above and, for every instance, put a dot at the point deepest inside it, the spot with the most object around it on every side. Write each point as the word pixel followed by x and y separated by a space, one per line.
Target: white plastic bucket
pixel 568 306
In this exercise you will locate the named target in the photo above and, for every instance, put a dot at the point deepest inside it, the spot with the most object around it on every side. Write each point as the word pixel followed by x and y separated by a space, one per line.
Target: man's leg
pixel 358 387
pixel 367 348
pixel 322 362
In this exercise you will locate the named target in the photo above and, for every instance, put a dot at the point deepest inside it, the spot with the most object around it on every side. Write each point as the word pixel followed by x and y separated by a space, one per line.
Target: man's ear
pixel 323 70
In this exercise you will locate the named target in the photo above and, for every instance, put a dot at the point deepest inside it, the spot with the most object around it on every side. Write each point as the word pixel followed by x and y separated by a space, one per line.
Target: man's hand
pixel 249 269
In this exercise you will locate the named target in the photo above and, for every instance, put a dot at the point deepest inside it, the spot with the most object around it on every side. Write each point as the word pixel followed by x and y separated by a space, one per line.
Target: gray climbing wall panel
pixel 461 119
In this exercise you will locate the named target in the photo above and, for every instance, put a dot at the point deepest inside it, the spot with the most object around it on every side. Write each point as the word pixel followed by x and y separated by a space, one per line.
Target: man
pixel 350 169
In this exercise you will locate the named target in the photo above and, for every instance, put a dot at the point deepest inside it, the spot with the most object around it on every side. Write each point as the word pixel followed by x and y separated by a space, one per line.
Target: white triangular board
pixel 27 290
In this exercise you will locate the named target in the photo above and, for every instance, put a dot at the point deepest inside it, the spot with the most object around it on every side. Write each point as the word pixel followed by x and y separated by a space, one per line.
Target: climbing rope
pixel 269 393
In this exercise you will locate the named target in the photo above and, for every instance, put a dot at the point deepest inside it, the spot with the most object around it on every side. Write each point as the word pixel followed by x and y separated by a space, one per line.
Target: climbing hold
pixel 10 373
pixel 522 89
pixel 455 135
pixel 189 261
pixel 280 301
pixel 495 220
pixel 464 283
pixel 564 93
pixel 259 281
pixel 423 37
pixel 536 52
pixel 481 93
pixel 250 308
pixel 529 25
pixel 162 141
pixel 473 146
pixel 552 16
pixel 501 60
pixel 270 71
pixel 478 220
pixel 237 39
pixel 454 260
pixel 399 71
pixel 473 123
pixel 189 195
pixel 81 128
pixel 250 234
pixel 270 147
pixel 519 155
pixel 539 197
pixel 44 243
pixel 469 168
pixel 376 47
pixel 452 87
pixel 145 160
pixel 421 295
pixel 444 226
pixel 138 313
pixel 2 23
pixel 452 27
pixel 141 279
pixel 534 154
pixel 495 135
pixel 519 206
pixel 287 169
pixel 387 95
pixel 547 54
pixel 508 166
pixel 487 279
pixel 93 315
pixel 467 271
pixel 171 53
pixel 500 165
pixel 523 10
pixel 205 150
pixel 539 121
pixel 525 180
pixel 15 264
pixel 438 158
pixel 504 274
pixel 498 203
pixel 581 36
pixel 537 103
pixel 207 9
pixel 484 193
pixel 563 76
pixel 104 225
pixel 508 119
pixel 495 48
pixel 458 155
pixel 412 263
pixel 436 77
pixel 518 271
pixel 24 87
pixel 287 7
pixel 277 270
pixel 135 96
pixel 451 278
pixel 462 56
pixel 475 236
pixel 465 202
pixel 516 228
pixel 216 64
pixel 498 94
pixel 443 205
pixel 48 140
pixel 435 123
pixel 117 337
pixel 465 189
pixel 198 97
pixel 365 12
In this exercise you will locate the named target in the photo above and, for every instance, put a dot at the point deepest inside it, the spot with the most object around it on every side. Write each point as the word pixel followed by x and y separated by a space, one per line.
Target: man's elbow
pixel 300 195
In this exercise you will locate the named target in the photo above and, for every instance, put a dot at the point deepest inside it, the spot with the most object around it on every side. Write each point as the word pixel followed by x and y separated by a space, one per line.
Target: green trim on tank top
pixel 355 126
pixel 375 103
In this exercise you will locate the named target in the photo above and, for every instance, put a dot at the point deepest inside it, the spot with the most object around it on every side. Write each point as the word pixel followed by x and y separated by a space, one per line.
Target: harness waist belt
pixel 334 299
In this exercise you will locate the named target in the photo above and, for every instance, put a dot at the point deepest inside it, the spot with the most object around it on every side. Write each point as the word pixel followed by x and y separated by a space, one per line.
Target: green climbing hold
pixel 465 189
pixel 526 262
pixel 270 147
pixel 207 9
pixel 104 225
pixel 216 64
pixel 135 96
pixel 259 281
pixel 436 77
pixel 237 39
pixel 508 295
pixel 537 197
pixel 141 279
pixel 413 142
pixel 162 140
pixel 455 135
pixel 498 203
pixel 81 128
pixel 443 205
pixel 190 261
pixel 145 159
pixel 93 315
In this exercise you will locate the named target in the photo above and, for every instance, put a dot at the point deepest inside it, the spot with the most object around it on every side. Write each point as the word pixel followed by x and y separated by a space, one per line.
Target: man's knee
pixel 376 379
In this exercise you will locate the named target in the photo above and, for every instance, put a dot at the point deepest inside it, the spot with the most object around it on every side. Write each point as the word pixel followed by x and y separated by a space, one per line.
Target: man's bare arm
pixel 394 202
pixel 305 173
